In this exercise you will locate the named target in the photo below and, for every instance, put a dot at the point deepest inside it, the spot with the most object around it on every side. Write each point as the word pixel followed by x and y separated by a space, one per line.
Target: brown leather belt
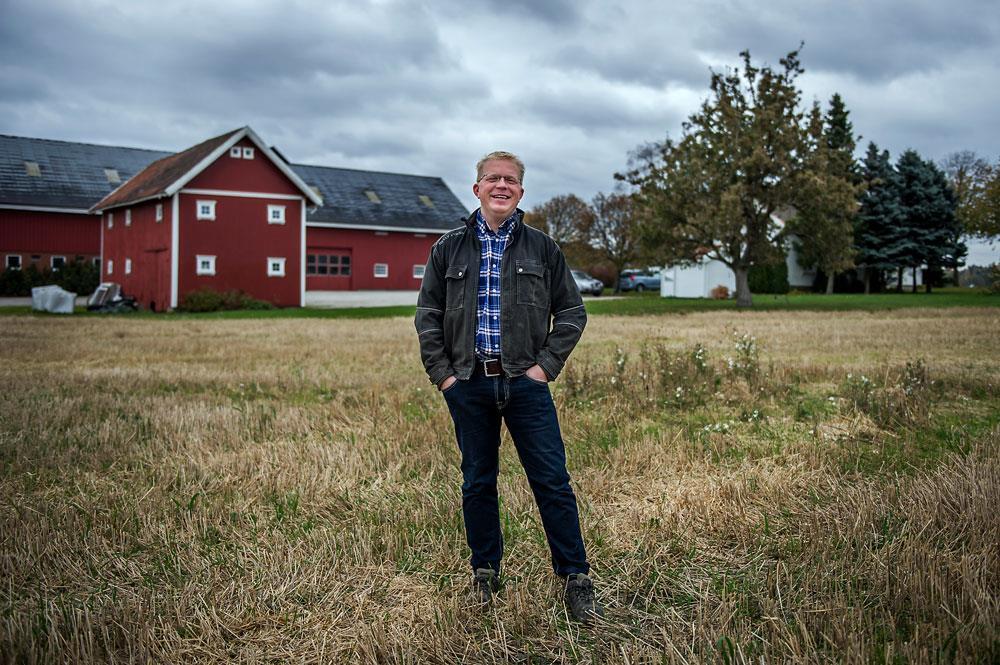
pixel 491 367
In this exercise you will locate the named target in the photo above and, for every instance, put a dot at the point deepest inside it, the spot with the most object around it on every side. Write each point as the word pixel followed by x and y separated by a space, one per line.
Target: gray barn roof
pixel 72 175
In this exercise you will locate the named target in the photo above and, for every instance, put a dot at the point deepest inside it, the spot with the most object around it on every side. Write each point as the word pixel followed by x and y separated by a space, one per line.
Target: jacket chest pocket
pixel 455 278
pixel 531 288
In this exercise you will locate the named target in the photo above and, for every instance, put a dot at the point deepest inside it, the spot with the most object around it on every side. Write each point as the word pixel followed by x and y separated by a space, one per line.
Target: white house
pixel 697 280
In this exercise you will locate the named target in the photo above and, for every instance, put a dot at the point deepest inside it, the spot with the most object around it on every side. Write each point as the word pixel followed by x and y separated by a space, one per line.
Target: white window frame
pixel 128 216
pixel 271 209
pixel 236 152
pixel 247 153
pixel 8 266
pixel 159 212
pixel 418 270
pixel 375 270
pixel 52 262
pixel 111 267
pixel 111 220
pixel 209 270
pixel 271 272
pixel 204 202
pixel 128 266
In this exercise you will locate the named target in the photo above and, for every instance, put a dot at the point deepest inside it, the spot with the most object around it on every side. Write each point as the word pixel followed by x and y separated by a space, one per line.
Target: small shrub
pixel 685 377
pixel 721 292
pixel 209 300
pixel 771 278
pixel 745 362
pixel 900 399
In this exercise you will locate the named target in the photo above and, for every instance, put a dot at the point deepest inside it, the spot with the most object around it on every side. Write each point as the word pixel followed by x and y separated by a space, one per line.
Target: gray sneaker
pixel 580 599
pixel 485 583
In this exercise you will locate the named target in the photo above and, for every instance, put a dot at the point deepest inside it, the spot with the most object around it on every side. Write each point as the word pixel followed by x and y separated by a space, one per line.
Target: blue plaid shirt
pixel 488 302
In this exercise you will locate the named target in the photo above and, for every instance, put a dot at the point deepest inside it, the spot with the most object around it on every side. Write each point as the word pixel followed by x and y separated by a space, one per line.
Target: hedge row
pixel 80 277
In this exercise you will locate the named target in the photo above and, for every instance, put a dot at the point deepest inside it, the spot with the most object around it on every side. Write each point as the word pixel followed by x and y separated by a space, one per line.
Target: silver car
pixel 587 284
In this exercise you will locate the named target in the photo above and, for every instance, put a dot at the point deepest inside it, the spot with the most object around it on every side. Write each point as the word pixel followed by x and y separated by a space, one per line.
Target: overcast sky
pixel 428 87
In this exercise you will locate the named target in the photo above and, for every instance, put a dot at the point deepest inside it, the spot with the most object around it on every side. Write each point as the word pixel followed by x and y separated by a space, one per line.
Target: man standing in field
pixel 490 291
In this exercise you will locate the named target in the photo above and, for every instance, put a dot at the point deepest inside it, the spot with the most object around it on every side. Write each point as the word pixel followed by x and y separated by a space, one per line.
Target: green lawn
pixel 630 304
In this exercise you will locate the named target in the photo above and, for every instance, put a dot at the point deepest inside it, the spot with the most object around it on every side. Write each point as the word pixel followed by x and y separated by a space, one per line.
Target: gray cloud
pixel 429 87
pixel 875 41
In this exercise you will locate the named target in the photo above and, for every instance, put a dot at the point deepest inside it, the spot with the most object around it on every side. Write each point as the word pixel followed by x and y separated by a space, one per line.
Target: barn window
pixel 97 262
pixel 112 176
pixel 128 217
pixel 111 219
pixel 328 264
pixel 206 209
pixel 128 266
pixel 418 270
pixel 372 196
pixel 275 266
pixel 426 200
pixel 247 153
pixel 13 262
pixel 381 270
pixel 236 152
pixel 204 265
pixel 57 262
pixel 159 212
pixel 32 169
pixel 275 214
pixel 111 267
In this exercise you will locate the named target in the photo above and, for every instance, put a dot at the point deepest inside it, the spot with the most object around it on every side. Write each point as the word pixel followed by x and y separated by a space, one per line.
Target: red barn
pixel 228 213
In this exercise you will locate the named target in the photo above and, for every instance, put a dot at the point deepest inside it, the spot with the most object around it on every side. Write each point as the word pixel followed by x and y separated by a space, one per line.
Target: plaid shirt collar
pixel 492 246
pixel 506 227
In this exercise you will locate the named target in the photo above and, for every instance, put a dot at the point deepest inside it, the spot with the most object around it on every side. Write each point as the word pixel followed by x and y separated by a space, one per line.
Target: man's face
pixel 500 198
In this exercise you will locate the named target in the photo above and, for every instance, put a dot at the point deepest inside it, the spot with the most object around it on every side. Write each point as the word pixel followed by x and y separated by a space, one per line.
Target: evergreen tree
pixel 826 199
pixel 927 203
pixel 839 134
pixel 878 229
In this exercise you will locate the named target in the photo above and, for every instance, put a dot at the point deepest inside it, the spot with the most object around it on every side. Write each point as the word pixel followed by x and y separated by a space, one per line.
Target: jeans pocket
pixel 536 381
pixel 451 387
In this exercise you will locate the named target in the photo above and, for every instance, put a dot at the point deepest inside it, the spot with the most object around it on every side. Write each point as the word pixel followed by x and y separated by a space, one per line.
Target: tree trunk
pixel 914 289
pixel 899 279
pixel 743 296
pixel 868 281
pixel 829 284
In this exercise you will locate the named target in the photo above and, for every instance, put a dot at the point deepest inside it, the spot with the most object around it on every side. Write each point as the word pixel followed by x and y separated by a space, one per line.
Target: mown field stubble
pixel 785 486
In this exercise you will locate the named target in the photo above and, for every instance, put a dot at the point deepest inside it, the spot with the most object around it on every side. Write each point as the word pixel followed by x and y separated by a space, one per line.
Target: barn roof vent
pixel 112 176
pixel 31 168
pixel 426 200
pixel 372 196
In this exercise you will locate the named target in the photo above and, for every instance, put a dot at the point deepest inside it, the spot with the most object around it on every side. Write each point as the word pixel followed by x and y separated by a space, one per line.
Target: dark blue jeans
pixel 525 405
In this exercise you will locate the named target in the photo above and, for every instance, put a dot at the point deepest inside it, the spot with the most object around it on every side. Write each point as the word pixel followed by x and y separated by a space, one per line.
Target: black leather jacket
pixel 541 311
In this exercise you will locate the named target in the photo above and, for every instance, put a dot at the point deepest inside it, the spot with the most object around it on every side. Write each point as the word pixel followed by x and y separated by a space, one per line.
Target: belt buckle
pixel 486 367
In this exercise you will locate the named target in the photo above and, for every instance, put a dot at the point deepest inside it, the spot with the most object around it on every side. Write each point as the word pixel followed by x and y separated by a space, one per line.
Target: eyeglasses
pixel 493 179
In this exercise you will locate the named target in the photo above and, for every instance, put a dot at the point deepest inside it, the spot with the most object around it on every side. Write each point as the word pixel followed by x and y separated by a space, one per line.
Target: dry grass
pixel 287 490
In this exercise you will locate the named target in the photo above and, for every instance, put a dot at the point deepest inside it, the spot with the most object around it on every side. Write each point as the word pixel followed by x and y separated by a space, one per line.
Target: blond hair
pixel 501 154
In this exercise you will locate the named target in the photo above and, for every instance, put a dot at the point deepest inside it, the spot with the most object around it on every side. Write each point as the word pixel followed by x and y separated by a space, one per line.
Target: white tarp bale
pixel 52 299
